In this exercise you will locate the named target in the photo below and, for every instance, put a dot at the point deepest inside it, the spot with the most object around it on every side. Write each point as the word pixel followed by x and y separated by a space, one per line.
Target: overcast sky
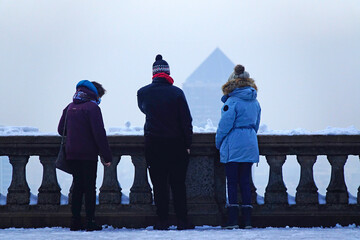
pixel 304 55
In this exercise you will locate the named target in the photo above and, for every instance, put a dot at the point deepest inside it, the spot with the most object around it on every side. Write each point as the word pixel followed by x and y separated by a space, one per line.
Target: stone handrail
pixel 206 185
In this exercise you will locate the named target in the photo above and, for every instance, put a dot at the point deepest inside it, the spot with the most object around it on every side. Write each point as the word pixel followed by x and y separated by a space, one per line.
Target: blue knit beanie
pixel 89 85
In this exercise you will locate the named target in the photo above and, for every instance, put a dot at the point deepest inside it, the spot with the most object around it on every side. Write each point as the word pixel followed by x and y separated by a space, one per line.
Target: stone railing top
pixel 203 143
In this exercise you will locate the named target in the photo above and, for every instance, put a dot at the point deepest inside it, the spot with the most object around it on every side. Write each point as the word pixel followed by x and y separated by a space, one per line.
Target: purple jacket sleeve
pixel 62 121
pixel 98 130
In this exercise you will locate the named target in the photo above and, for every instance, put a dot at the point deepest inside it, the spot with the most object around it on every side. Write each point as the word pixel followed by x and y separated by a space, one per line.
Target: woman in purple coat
pixel 85 141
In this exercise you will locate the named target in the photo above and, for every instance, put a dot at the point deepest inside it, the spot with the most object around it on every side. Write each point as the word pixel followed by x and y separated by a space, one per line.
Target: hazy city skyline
pixel 304 55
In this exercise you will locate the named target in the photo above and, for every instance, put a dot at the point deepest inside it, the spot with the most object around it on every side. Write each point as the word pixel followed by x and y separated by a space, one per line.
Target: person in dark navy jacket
pixel 168 137
pixel 85 140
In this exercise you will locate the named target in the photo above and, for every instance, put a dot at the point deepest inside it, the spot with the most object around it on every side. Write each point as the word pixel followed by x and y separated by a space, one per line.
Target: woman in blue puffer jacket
pixel 236 138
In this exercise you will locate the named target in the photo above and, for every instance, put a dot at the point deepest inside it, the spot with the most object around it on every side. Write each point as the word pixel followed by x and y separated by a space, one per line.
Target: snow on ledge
pixel 22 131
pixel 129 130
pixel 264 130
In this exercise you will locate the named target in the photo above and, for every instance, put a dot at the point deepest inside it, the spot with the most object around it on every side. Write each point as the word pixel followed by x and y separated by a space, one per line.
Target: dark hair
pixel 99 88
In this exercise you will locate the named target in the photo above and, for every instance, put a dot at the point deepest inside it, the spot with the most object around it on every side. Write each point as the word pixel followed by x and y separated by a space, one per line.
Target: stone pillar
pixel 337 191
pixel 306 191
pixel 140 192
pixel 220 182
pixel 275 192
pixel 19 191
pixel 110 190
pixel 358 195
pixel 49 191
pixel 200 180
pixel 71 192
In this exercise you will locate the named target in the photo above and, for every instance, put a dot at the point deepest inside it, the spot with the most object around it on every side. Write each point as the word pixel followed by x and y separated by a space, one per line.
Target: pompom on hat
pixel 239 72
pixel 160 66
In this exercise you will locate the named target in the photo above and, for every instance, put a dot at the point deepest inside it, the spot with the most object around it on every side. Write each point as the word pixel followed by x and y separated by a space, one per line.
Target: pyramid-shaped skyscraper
pixel 203 88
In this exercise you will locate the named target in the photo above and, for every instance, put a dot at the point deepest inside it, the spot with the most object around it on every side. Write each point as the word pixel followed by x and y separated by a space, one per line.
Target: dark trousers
pixel 238 174
pixel 84 183
pixel 167 161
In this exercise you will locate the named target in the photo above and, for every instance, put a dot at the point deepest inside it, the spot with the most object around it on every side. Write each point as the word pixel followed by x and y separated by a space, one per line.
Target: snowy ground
pixel 208 233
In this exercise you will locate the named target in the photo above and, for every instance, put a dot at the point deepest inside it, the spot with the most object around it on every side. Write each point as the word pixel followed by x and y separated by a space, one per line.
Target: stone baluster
pixel 19 191
pixel 358 195
pixel 49 191
pixel 110 191
pixel 306 191
pixel 337 191
pixel 70 193
pixel 275 192
pixel 140 192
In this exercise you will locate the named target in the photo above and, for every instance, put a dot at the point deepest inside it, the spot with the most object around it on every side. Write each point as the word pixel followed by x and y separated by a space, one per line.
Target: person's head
pixel 101 91
pixel 160 66
pixel 239 72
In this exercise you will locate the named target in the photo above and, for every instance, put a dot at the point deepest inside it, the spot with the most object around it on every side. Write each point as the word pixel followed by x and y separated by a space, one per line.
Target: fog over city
pixel 304 56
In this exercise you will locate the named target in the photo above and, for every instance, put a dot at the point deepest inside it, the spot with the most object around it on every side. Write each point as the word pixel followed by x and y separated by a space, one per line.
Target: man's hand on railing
pixel 106 164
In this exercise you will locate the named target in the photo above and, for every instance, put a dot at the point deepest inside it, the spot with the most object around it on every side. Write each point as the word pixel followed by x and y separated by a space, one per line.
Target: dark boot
pixel 76 224
pixel 161 225
pixel 246 217
pixel 92 226
pixel 233 218
pixel 184 225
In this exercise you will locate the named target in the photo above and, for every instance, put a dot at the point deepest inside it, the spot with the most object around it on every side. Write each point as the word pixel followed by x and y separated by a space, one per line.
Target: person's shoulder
pixel 232 100
pixel 144 88
pixel 91 106
pixel 176 90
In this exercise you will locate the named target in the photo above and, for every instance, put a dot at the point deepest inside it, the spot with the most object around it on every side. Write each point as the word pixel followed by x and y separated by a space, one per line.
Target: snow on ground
pixel 350 233
pixel 208 128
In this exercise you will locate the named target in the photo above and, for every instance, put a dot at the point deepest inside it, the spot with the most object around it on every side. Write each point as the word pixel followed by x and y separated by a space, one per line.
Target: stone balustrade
pixel 206 184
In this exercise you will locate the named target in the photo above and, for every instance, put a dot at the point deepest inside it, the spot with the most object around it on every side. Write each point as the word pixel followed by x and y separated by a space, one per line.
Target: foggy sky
pixel 303 55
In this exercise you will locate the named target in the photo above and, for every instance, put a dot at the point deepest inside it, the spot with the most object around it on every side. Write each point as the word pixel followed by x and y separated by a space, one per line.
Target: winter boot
pixel 246 217
pixel 92 226
pixel 233 218
pixel 162 225
pixel 75 224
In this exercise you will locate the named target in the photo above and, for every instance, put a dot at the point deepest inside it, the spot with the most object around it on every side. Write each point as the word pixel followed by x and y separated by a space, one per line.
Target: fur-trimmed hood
pixel 231 85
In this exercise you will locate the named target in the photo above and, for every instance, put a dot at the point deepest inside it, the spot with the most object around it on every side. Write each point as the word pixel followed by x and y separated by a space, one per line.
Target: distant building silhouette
pixel 203 88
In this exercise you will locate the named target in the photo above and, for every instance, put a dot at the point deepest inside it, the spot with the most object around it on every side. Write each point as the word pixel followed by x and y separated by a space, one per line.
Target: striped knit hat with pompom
pixel 160 66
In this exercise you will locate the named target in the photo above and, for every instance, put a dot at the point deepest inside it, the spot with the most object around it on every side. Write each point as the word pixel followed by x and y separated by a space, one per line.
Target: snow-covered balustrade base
pixel 206 185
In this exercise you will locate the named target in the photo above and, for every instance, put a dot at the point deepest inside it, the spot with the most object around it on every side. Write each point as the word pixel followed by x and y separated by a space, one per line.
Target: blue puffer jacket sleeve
pixel 258 121
pixel 226 124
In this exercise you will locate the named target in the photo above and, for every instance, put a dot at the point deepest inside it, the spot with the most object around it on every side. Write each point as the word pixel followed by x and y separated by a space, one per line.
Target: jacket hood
pixel 245 93
pixel 231 85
